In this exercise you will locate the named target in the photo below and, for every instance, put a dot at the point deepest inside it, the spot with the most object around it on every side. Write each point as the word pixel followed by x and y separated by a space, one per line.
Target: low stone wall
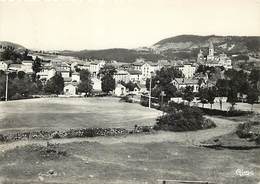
pixel 72 133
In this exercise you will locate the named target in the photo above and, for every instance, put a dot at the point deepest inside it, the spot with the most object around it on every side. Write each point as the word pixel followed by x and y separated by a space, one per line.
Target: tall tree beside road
pixel 203 93
pixel 232 97
pixel 211 96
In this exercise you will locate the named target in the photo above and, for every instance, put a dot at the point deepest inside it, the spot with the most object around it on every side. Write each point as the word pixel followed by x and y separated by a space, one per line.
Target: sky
pixel 102 24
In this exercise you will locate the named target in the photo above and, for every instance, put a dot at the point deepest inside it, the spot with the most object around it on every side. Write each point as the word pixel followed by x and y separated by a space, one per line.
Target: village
pixel 129 92
pixel 137 72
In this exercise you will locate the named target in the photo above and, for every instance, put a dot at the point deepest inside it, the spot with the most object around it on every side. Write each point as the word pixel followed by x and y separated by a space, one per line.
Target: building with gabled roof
pixel 182 83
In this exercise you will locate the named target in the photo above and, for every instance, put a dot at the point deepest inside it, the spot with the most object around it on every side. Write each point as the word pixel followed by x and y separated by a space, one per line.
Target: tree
pixel 211 96
pixel 163 82
pixel 232 97
pixel 254 77
pixel 37 65
pixel 252 96
pixel 55 85
pixel 107 69
pixel 188 94
pixel 130 85
pixel 85 75
pixel 108 83
pixel 21 74
pixel 85 86
pixel 222 87
pixel 203 93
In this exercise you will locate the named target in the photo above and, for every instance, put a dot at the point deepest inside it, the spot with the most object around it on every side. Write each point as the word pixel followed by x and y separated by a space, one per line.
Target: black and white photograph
pixel 129 91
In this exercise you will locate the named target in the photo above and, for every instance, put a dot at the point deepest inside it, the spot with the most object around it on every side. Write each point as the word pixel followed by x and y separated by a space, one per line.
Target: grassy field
pixel 128 159
pixel 93 162
pixel 65 113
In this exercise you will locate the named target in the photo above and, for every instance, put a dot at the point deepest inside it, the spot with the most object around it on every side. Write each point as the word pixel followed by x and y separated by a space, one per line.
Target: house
pixel 122 75
pixel 82 65
pixel 65 72
pixel 146 67
pixel 46 73
pixel 16 67
pixel 95 66
pixel 135 75
pixel 75 77
pixel 163 64
pixel 120 90
pixel 27 66
pixel 96 84
pixel 181 83
pixel 188 70
pixel 4 64
pixel 70 89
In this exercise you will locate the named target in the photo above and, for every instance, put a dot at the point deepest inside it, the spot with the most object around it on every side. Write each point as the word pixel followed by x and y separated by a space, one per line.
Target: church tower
pixel 211 51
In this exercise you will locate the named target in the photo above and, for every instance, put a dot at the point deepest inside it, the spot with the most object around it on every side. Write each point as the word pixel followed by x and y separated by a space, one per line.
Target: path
pixel 187 138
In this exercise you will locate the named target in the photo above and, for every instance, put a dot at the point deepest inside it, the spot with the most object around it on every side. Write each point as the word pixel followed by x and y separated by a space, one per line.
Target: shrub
pixel 257 140
pixel 243 130
pixel 126 99
pixel 207 123
pixel 183 119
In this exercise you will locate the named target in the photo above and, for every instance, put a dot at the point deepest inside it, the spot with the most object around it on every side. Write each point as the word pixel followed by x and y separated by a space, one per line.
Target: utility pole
pixel 6 86
pixel 162 95
pixel 150 92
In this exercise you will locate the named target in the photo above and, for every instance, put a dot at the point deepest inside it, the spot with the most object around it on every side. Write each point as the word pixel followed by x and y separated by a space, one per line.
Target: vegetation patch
pixel 183 118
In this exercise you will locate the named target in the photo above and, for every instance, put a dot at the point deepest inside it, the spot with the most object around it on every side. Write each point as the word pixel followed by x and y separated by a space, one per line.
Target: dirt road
pixel 187 138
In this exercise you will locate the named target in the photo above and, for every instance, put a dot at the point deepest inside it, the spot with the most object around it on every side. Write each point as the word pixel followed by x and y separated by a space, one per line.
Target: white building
pixel 46 73
pixel 27 66
pixel 187 70
pixel 135 75
pixel 70 89
pixel 82 65
pixel 95 66
pixel 75 77
pixel 122 75
pixel 96 84
pixel 120 90
pixel 182 83
pixel 4 65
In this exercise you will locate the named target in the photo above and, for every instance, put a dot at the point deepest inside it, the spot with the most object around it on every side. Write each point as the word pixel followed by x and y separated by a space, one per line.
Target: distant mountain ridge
pixel 177 47
pixel 11 44
pixel 224 43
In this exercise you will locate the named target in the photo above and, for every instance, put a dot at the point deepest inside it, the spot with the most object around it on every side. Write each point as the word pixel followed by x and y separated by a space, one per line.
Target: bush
pixel 243 130
pixel 183 119
pixel 126 99
pixel 207 123
pixel 257 140
pixel 17 96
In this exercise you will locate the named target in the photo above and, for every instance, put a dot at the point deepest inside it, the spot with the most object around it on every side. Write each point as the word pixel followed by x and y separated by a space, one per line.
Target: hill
pixel 178 47
pixel 227 44
pixel 12 45
pixel 118 54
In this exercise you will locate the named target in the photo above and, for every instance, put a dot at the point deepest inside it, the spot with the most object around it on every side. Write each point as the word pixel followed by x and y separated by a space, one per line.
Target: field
pixel 127 159
pixel 65 113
